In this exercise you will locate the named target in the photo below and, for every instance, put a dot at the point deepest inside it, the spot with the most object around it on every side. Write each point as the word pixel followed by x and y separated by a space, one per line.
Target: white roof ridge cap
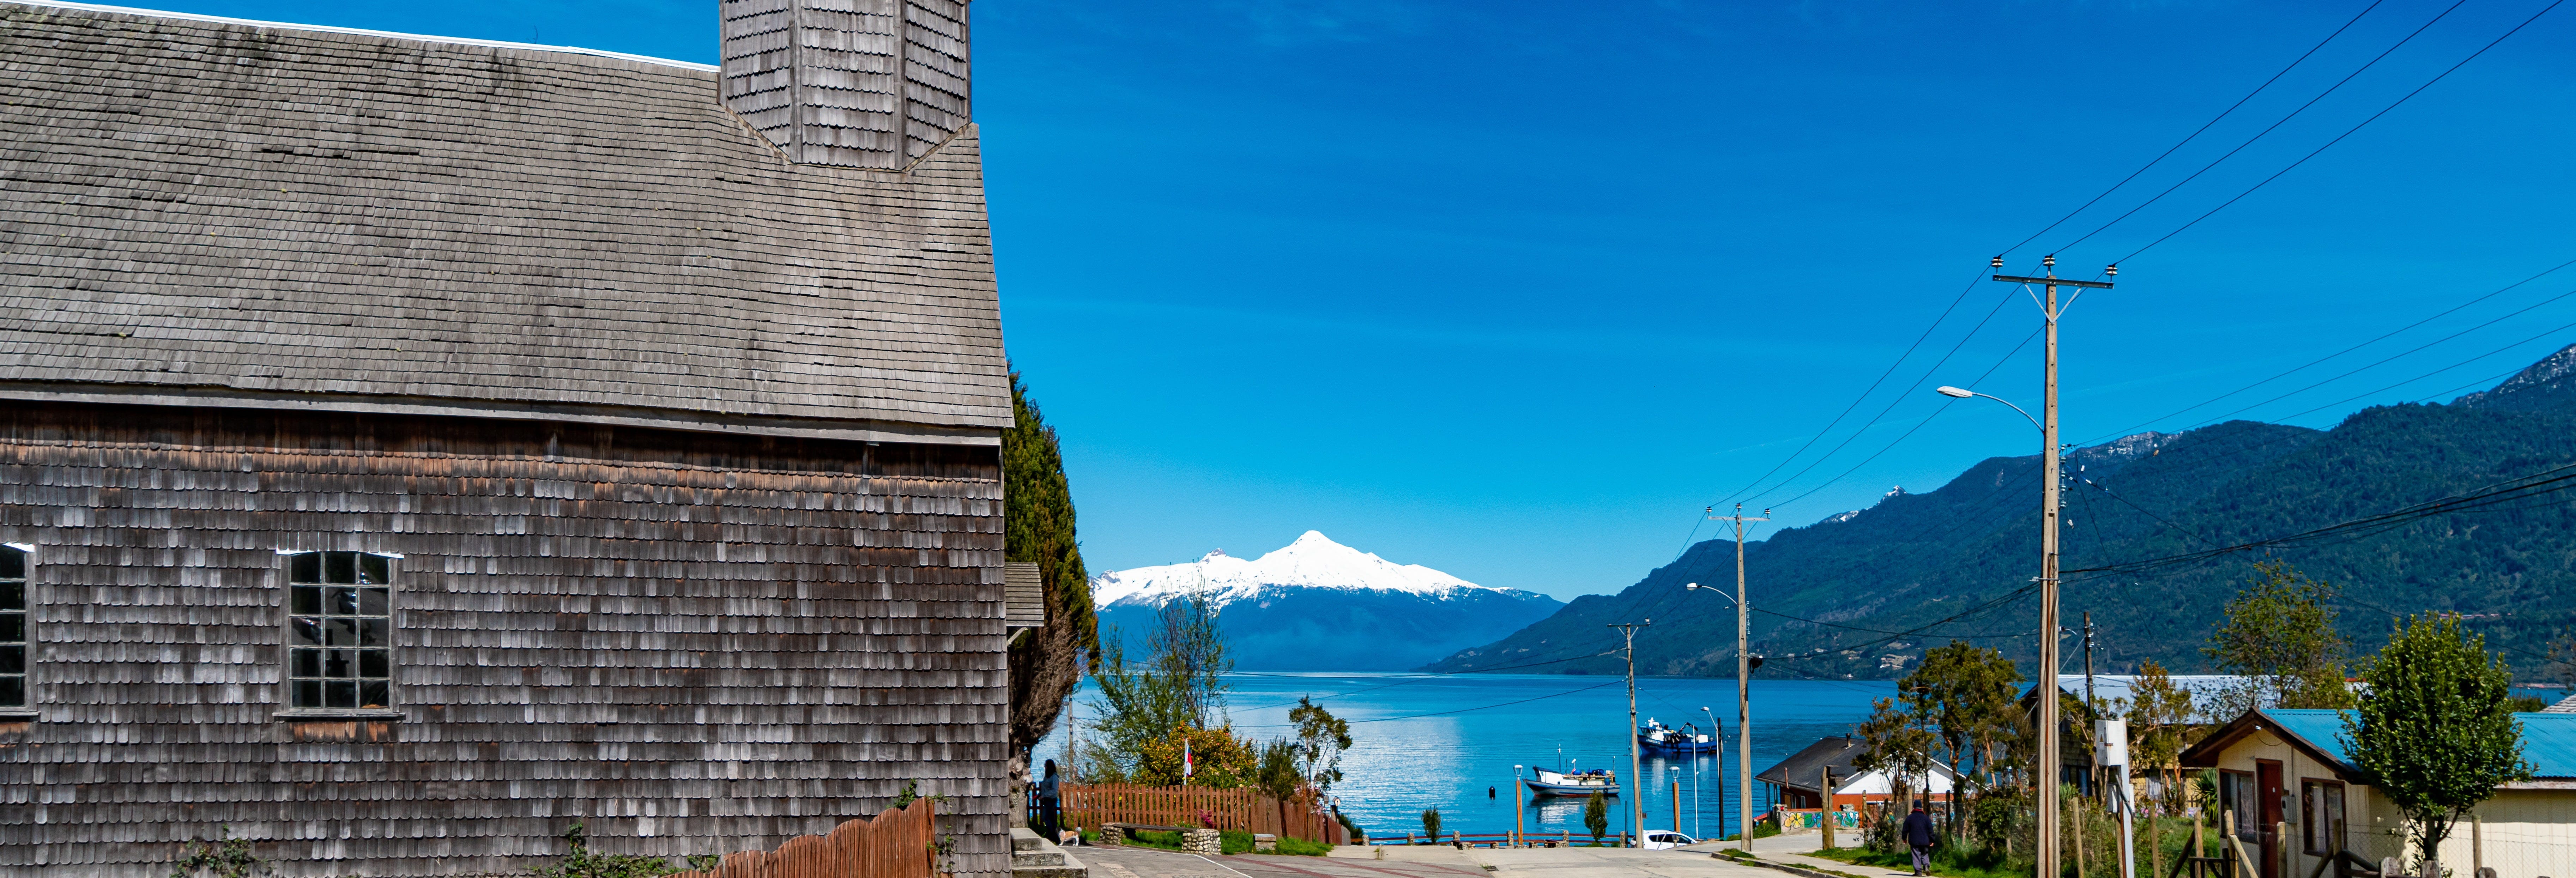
pixel 329 29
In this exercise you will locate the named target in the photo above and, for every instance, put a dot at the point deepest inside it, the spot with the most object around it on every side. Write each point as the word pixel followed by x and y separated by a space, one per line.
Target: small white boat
pixel 1558 783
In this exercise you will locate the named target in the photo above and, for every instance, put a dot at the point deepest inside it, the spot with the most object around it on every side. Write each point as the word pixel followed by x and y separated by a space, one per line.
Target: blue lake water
pixel 1423 741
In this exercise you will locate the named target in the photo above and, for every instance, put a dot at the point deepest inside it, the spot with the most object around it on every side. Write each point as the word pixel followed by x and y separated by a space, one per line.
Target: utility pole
pixel 1744 665
pixel 1636 780
pixel 2051 762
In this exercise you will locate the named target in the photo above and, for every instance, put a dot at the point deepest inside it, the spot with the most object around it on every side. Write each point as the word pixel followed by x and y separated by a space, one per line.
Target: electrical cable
pixel 2204 127
pixel 2446 11
pixel 2301 367
pixel 1864 394
pixel 2544 334
pixel 2347 133
pixel 1918 425
pixel 1891 406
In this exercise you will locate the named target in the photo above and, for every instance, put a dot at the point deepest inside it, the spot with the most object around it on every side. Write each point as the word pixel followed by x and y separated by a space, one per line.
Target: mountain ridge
pixel 1862 594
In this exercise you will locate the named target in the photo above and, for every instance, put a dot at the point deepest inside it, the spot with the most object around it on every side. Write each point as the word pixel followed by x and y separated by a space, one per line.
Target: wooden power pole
pixel 2051 770
pixel 1636 780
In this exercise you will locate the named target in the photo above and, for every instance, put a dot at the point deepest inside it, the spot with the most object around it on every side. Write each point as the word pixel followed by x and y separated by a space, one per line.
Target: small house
pixel 1823 775
pixel 2297 804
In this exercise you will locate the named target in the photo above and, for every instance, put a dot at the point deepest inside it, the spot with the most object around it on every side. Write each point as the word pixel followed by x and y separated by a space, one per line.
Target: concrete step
pixel 1032 856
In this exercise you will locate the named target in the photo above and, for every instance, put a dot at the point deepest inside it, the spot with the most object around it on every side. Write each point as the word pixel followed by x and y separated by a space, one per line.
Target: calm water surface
pixel 1421 742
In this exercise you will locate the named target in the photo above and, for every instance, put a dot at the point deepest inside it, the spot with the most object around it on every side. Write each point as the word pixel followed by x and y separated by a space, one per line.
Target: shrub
pixel 1234 841
pixel 581 863
pixel 1303 848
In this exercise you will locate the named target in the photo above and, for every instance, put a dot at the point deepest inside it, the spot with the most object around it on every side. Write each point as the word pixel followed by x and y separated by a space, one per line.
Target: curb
pixel 1793 870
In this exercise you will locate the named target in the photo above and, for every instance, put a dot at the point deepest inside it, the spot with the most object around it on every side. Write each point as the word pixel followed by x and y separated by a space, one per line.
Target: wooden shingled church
pixel 410 446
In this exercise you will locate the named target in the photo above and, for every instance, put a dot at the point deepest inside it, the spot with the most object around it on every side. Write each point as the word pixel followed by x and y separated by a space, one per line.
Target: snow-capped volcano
pixel 1313 561
pixel 1318 605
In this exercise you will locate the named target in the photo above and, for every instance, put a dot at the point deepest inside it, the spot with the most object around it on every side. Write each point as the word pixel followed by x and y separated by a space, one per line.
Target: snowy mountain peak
pixel 1311 561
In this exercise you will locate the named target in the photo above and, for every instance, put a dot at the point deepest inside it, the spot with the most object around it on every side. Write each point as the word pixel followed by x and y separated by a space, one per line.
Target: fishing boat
pixel 1582 783
pixel 1655 737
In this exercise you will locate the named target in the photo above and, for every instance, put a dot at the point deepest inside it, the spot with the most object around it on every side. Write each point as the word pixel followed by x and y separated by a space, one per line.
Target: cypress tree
pixel 1037 512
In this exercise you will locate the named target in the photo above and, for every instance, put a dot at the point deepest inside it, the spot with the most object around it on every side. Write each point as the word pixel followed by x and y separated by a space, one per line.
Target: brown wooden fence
pixel 1090 805
pixel 893 844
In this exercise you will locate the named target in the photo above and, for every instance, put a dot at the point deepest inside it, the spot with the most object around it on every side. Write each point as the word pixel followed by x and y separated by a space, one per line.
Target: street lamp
pixel 1745 662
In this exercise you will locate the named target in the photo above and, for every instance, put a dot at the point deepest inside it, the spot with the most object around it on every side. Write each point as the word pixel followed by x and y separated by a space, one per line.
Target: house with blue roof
pixel 2289 794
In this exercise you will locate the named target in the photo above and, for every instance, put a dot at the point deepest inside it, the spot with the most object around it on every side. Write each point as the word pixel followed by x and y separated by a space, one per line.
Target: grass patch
pixel 1761 829
pixel 1152 838
pixel 1947 861
pixel 1234 841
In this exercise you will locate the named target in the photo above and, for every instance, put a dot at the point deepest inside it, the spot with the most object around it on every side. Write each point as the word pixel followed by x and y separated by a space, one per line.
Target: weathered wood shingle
pixel 230 213
pixel 695 644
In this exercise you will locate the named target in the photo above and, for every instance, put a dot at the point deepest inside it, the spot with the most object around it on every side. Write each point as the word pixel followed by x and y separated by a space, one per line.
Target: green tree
pixel 2279 633
pixel 1596 816
pixel 1897 741
pixel 1431 823
pixel 2159 722
pixel 1321 738
pixel 1278 775
pixel 1967 693
pixel 1037 527
pixel 2433 732
pixel 1180 686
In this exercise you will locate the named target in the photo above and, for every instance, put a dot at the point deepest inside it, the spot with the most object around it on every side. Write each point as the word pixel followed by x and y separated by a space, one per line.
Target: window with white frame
pixel 13 627
pixel 340 636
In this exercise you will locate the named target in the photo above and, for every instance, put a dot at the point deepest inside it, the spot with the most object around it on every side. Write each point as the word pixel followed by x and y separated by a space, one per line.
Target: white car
pixel 1664 840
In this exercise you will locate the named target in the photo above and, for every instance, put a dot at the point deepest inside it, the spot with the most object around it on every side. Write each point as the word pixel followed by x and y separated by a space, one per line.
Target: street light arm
pixel 1963 393
pixel 1693 586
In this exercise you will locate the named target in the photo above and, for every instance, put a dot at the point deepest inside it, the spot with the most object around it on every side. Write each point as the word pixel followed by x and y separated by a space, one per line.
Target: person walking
pixel 1918 835
pixel 1050 805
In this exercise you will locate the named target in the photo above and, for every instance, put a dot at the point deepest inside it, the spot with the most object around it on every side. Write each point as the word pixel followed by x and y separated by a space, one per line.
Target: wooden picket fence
pixel 1300 816
pixel 893 844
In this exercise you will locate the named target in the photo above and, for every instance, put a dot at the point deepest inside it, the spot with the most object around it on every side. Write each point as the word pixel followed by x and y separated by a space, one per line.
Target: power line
pixel 1918 425
pixel 2348 132
pixel 2259 135
pixel 2302 367
pixel 1864 394
pixel 1891 406
pixel 2560 479
pixel 2204 127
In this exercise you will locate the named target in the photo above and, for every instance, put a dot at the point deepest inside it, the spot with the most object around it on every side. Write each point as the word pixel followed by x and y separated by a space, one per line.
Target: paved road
pixel 1436 862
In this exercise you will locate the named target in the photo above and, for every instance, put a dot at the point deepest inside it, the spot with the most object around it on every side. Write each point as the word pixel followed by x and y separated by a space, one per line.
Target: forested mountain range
pixel 1862 595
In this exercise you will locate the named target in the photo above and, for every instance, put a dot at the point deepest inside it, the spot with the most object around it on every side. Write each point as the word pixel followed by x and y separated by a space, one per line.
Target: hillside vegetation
pixel 1859 595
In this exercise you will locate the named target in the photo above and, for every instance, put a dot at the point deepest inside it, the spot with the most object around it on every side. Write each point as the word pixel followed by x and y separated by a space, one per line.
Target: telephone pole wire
pixel 2051 774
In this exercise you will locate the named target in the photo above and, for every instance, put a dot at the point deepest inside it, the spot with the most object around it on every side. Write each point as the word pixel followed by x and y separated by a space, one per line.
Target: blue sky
pixel 1515 289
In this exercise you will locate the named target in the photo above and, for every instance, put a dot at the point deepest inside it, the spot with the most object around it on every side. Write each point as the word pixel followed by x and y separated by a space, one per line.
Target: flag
pixel 1186 763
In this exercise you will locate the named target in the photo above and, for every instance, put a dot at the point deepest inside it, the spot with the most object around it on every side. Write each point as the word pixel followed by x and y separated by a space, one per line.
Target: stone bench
pixel 1195 840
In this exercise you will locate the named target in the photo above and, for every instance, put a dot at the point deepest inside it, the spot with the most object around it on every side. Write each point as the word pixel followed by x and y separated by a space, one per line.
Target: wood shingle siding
pixel 697 644
pixel 220 214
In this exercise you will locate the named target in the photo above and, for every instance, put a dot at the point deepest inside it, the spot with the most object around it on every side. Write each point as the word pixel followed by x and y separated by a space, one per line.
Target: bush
pixel 581 863
pixel 1234 841
pixel 1155 838
pixel 1303 848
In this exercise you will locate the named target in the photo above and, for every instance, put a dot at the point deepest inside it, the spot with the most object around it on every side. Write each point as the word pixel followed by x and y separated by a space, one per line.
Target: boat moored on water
pixel 1655 737
pixel 1583 783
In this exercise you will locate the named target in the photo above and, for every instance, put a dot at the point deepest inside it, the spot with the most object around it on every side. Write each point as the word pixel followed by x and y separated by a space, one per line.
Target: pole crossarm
pixel 2063 282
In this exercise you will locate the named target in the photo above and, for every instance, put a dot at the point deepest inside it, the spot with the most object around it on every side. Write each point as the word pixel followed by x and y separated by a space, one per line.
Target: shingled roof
pixel 217 213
